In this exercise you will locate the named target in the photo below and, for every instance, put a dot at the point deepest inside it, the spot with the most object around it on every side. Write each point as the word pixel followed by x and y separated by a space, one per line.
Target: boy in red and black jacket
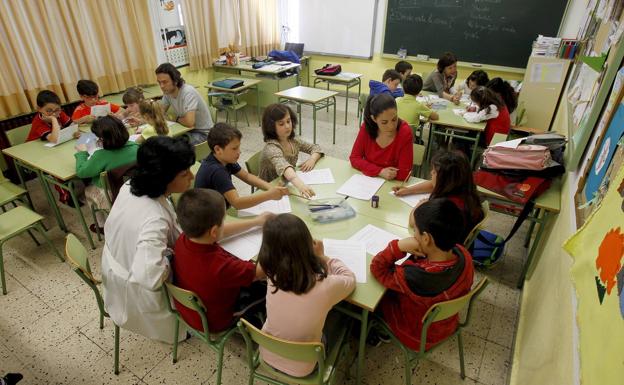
pixel 439 269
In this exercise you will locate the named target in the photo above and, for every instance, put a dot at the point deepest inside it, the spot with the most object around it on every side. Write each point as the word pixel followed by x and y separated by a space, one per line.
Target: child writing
pixel 216 170
pixel 204 267
pixel 50 118
pixel 410 109
pixel 281 149
pixel 439 269
pixel 383 146
pixel 442 79
pixel 491 108
pixel 89 94
pixel 131 99
pixel 116 151
pixel 389 83
pixel 303 286
pixel 505 92
pixel 451 177
pixel 155 121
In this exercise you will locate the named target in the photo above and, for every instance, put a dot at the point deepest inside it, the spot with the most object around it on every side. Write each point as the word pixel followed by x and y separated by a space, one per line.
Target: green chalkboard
pixel 496 32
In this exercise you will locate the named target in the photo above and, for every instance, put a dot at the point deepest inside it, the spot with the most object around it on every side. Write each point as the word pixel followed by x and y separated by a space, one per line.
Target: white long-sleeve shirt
pixel 480 116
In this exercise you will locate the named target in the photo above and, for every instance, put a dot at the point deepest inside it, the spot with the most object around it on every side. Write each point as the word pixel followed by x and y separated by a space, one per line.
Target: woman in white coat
pixel 141 230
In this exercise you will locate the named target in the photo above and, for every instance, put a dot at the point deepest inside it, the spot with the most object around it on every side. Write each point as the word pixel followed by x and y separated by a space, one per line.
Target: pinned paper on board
pixel 546 72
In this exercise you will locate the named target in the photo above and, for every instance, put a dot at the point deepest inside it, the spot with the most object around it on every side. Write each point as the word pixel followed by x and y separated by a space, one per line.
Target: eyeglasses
pixel 50 111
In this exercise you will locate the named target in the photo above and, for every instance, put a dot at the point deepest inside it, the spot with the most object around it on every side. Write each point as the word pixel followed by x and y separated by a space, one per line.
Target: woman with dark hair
pixel 383 146
pixel 442 79
pixel 140 232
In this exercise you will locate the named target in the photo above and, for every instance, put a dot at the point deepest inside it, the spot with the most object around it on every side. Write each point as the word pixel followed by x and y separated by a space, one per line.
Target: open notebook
pixel 65 135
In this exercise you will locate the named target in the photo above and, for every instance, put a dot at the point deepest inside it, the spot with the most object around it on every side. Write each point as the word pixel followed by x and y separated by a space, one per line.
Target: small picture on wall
pixel 167 5
pixel 173 37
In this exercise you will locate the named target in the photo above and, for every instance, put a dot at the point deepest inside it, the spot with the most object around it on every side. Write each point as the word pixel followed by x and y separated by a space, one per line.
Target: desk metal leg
pixel 313 123
pixel 474 150
pixel 327 109
pixel 334 138
pixel 541 219
pixel 360 109
pixel 346 106
pixel 527 239
pixel 362 347
pixel 429 144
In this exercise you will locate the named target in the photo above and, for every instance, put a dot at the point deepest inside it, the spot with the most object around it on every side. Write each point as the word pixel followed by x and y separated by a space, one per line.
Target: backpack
pixel 329 70
pixel 486 249
pixel 278 55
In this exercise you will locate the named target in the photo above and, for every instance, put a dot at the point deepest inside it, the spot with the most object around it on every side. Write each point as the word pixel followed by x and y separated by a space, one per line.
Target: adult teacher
pixel 141 230
pixel 189 107
pixel 442 79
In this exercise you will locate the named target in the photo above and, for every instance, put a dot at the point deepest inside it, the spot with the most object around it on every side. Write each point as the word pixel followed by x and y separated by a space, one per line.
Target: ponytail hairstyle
pixel 505 91
pixel 152 113
pixel 375 105
pixel 485 97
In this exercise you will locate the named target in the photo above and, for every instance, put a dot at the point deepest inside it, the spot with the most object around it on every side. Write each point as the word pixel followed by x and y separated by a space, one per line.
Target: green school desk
pixel 248 84
pixel 448 126
pixel 314 97
pixel 346 79
pixel 57 165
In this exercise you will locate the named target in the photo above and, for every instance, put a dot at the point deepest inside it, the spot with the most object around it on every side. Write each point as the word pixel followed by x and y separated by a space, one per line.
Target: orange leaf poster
pixel 598 276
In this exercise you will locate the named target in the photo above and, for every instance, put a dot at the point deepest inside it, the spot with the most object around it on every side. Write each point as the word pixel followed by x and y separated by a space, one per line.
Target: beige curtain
pixel 53 44
pixel 213 25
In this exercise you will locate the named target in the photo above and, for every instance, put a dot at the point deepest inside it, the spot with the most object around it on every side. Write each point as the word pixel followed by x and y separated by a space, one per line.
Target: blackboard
pixel 495 32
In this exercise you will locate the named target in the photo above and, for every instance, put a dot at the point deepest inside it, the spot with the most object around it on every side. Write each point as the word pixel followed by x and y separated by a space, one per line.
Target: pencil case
pixel 330 209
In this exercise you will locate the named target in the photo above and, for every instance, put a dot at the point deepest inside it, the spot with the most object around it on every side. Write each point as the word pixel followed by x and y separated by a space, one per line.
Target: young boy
pixel 408 107
pixel 131 99
pixel 204 267
pixel 88 91
pixel 439 269
pixel 404 68
pixel 217 169
pixel 50 119
pixel 389 83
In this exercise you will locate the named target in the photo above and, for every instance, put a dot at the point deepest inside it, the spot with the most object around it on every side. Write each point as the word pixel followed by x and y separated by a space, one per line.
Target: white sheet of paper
pixel 413 199
pixel 546 72
pixel 360 187
pixel 373 238
pixel 65 135
pixel 510 143
pixel 133 138
pixel 353 254
pixel 101 110
pixel 246 245
pixel 170 123
pixel 276 207
pixel 320 176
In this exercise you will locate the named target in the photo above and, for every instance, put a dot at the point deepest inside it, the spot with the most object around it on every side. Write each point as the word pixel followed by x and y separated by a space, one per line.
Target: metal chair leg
pixel 4 289
pixel 116 353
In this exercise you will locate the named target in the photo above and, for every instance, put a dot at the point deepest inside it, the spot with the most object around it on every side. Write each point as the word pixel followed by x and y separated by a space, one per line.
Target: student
pixel 505 92
pixel 89 94
pixel 408 107
pixel 491 108
pixel 476 78
pixel 189 107
pixel 404 68
pixel 451 177
pixel 204 267
pixel 439 269
pixel 131 99
pixel 50 118
pixel 116 151
pixel 217 169
pixel 442 79
pixel 155 121
pixel 281 149
pixel 303 286
pixel 383 146
pixel 389 84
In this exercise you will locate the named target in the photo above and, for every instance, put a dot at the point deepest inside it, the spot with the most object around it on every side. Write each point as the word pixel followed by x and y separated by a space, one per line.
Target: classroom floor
pixel 49 318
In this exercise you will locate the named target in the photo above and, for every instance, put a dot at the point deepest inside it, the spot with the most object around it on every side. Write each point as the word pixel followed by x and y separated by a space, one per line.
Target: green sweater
pixel 104 160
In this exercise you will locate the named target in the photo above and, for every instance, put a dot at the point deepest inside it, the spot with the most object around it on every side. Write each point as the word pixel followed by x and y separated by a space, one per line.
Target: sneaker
pixel 94 229
pixel 373 339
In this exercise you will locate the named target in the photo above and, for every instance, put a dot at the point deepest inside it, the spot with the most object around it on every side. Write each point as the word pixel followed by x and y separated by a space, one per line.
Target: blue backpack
pixel 284 56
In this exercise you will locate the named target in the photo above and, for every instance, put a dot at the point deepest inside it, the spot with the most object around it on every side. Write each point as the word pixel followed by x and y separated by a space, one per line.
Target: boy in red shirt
pixel 50 118
pixel 439 269
pixel 204 267
pixel 88 91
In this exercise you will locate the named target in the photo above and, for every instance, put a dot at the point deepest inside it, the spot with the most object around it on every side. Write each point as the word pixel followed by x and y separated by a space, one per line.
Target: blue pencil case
pixel 330 209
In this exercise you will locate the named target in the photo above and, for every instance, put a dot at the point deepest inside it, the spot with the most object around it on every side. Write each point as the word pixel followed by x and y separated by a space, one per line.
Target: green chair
pixel 418 156
pixel 202 150
pixel 438 312
pixel 485 206
pixel 15 222
pixel 228 103
pixel 253 165
pixel 18 135
pixel 323 373
pixel 361 104
pixel 190 300
pixel 77 255
pixel 497 138
pixel 11 193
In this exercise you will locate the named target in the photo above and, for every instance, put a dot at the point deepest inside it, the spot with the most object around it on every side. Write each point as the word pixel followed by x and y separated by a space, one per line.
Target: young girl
pixel 281 150
pixel 491 108
pixel 451 177
pixel 155 120
pixel 116 151
pixel 442 79
pixel 131 99
pixel 383 146
pixel 505 91
pixel 476 78
pixel 303 285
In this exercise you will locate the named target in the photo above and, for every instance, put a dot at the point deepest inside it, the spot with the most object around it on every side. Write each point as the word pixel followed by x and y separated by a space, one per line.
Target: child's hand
pixel 308 165
pixel 262 218
pixel 77 134
pixel 306 191
pixel 132 121
pixel 81 147
pixel 276 193
pixel 49 118
pixel 400 191
pixel 455 98
pixel 410 245
pixel 389 173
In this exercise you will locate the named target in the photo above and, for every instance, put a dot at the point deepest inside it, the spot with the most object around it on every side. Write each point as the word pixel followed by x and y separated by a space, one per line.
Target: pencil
pixel 406 179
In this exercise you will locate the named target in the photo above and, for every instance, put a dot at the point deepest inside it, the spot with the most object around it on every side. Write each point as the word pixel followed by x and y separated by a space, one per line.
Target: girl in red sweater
pixel 383 146
pixel 490 107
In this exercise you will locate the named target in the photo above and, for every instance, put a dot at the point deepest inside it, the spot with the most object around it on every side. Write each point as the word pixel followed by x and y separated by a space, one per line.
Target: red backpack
pixel 329 70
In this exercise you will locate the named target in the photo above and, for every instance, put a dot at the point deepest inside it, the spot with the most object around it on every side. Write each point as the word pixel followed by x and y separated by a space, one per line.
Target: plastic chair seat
pixel 16 220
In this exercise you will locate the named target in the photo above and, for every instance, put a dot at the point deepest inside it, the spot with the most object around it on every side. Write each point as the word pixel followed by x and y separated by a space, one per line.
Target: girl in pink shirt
pixel 303 285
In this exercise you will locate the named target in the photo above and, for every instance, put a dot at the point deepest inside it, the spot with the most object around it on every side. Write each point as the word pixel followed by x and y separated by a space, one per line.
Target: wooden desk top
pixel 306 94
pixel 450 119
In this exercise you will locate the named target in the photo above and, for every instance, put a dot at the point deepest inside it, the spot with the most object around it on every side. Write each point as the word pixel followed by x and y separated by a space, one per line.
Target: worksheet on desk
pixel 352 254
pixel 373 238
pixel 276 207
pixel 361 187
pixel 413 199
pixel 246 245
pixel 101 109
pixel 320 176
